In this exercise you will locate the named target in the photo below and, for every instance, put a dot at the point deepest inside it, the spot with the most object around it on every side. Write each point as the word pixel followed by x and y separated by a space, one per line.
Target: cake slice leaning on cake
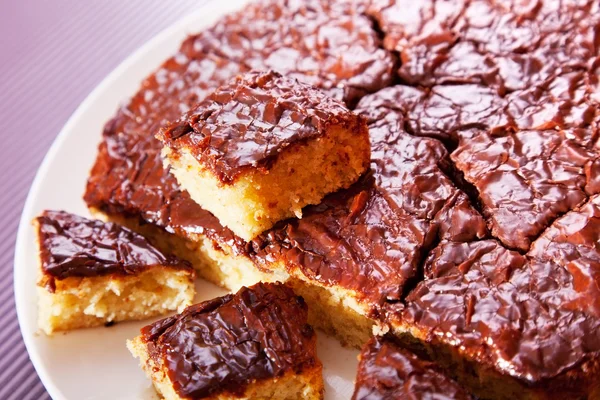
pixel 254 344
pixel 262 147
pixel 94 273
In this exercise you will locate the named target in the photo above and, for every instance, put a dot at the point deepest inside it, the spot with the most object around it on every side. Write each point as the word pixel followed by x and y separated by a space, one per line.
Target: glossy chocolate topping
pixel 510 45
pixel 246 123
pixel 525 179
pixel 529 155
pixel 389 372
pixel 532 316
pixel 329 44
pixel 73 246
pixel 563 102
pixel 222 345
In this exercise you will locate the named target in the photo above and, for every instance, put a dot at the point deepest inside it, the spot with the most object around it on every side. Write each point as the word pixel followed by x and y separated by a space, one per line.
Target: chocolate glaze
pixel 525 179
pixel 328 44
pixel 510 45
pixel 562 102
pixel 592 171
pixel 529 155
pixel 246 123
pixel 387 372
pixel 73 246
pixel 531 316
pixel 222 345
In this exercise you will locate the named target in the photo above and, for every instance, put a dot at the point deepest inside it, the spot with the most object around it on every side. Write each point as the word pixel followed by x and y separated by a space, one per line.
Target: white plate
pixel 94 363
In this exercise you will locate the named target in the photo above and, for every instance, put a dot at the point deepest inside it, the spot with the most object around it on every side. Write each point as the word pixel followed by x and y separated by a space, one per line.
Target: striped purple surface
pixel 53 53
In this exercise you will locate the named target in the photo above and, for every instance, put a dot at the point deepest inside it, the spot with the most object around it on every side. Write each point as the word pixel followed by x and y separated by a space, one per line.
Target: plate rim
pixel 20 273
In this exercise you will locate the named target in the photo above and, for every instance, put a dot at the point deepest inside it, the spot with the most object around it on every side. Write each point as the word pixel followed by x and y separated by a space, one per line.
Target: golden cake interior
pixel 301 175
pixel 83 302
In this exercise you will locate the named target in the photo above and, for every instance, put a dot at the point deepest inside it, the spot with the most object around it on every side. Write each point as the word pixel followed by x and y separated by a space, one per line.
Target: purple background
pixel 52 54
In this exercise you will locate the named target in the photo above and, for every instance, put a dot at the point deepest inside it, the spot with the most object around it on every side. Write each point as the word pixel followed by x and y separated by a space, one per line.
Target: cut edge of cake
pixel 302 175
pixel 213 263
pixel 77 302
pixel 95 301
pixel 348 319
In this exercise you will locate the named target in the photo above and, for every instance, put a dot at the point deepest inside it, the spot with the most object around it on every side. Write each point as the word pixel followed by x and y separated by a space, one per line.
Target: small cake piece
pixel 255 344
pixel 262 147
pixel 387 371
pixel 95 273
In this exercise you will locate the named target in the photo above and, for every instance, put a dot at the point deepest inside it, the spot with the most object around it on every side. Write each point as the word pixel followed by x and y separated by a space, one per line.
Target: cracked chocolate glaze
pixel 328 44
pixel 525 179
pixel 563 102
pixel 509 45
pixel 530 155
pixel 387 371
pixel 73 246
pixel 246 123
pixel 532 316
pixel 222 345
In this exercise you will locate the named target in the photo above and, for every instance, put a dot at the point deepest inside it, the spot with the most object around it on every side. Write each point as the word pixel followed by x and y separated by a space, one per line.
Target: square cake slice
pixel 262 147
pixel 255 344
pixel 388 371
pixel 94 273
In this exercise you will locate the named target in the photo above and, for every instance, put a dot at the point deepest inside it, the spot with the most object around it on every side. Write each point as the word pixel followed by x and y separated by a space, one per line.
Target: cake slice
pixel 262 147
pixel 94 273
pixel 255 344
pixel 387 371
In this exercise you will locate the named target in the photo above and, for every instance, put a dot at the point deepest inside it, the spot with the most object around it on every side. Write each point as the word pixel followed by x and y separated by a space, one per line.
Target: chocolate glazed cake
pixel 474 236
pixel 254 344
pixel 93 273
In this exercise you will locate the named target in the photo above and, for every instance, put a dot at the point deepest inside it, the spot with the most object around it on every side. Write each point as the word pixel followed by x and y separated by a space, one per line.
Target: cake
pixel 262 147
pixel 484 140
pixel 128 183
pixel 94 273
pixel 388 371
pixel 254 344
